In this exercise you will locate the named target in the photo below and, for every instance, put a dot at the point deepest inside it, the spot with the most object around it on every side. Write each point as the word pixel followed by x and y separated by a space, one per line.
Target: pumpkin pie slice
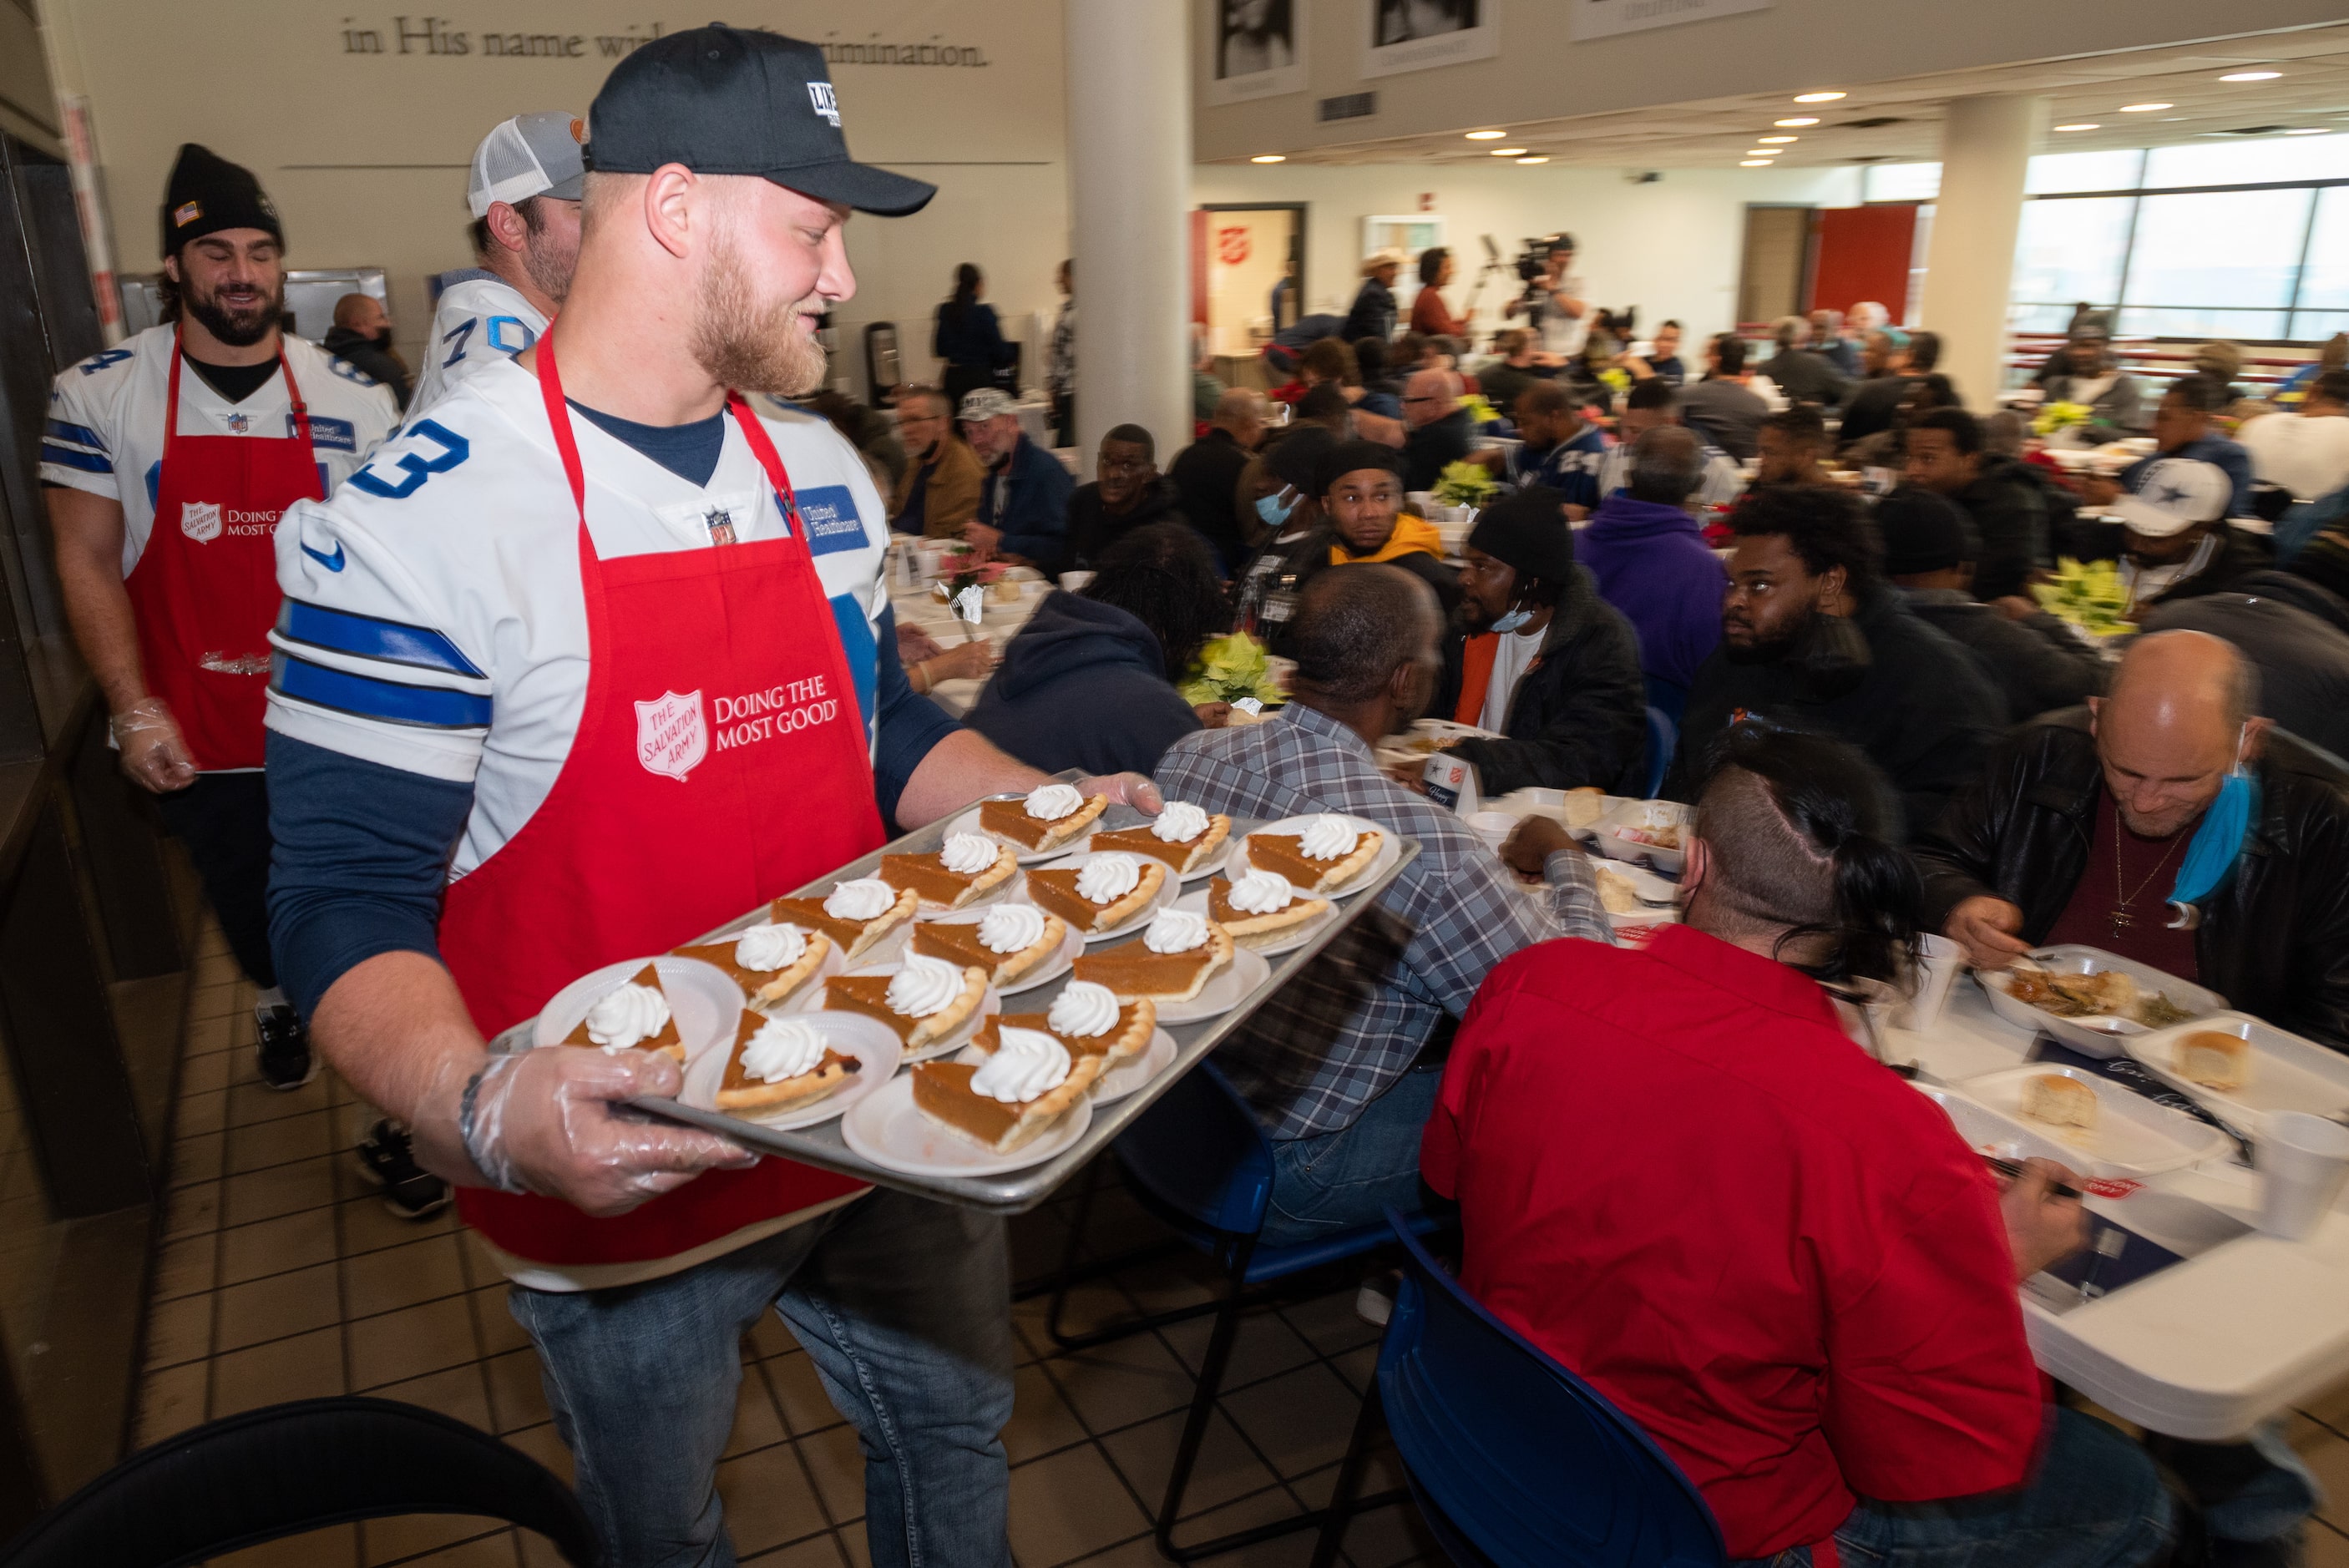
pixel 869 994
pixel 764 987
pixel 1285 853
pixel 1128 1037
pixel 856 936
pixel 1054 888
pixel 1009 820
pixel 737 1091
pixel 964 943
pixel 942 1091
pixel 1184 854
pixel 1269 928
pixel 665 1038
pixel 1134 973
pixel 940 884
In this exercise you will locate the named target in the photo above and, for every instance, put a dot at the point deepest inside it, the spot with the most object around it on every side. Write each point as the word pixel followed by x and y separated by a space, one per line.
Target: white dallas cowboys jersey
pixel 434 619
pixel 104 433
pixel 481 319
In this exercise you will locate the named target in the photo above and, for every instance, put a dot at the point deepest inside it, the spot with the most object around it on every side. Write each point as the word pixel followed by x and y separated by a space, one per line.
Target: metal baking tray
pixel 1014 1191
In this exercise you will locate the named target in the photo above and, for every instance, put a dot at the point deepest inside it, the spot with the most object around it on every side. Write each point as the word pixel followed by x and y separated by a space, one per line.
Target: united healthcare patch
pixel 832 525
pixel 331 435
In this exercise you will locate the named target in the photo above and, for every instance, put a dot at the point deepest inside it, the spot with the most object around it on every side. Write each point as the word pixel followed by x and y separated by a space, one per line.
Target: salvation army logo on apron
pixel 672 737
pixel 201 520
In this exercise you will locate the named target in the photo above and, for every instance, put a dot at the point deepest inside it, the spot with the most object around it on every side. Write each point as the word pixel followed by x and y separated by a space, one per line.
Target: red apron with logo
pixel 205 592
pixel 671 815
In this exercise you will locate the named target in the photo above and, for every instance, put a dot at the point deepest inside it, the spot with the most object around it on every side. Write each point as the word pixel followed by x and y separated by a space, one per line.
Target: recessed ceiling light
pixel 1510 152
pixel 1774 140
pixel 2308 130
pixel 2251 76
pixel 2145 107
pixel 1270 157
pixel 2084 125
pixel 1533 160
pixel 1754 163
pixel 1760 152
pixel 1817 97
pixel 1487 135
pixel 1799 119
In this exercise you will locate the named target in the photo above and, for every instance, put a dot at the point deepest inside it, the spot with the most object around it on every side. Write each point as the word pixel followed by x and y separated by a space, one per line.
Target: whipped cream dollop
pixel 924 986
pixel 968 854
pixel 1327 838
pixel 1050 802
pixel 1262 892
pixel 1108 877
pixel 618 1019
pixel 1083 1011
pixel 1011 928
pixel 1026 1064
pixel 782 1049
pixel 1179 824
pixel 1177 931
pixel 767 948
pixel 860 898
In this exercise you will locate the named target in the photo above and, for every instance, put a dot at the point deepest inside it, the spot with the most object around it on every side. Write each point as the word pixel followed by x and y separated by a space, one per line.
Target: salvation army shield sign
pixel 201 520
pixel 672 737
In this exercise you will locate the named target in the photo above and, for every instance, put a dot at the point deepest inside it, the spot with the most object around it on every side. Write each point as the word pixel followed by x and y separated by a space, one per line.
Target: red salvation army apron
pixel 204 592
pixel 663 823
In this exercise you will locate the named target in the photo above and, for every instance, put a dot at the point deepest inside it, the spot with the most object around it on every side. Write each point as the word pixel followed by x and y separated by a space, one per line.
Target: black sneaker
pixel 286 1062
pixel 409 1191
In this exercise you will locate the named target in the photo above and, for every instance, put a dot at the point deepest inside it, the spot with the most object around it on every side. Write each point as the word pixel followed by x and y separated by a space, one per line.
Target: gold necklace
pixel 2122 919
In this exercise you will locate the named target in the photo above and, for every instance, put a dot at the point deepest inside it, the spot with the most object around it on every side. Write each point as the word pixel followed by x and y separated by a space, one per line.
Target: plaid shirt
pixel 1351 1022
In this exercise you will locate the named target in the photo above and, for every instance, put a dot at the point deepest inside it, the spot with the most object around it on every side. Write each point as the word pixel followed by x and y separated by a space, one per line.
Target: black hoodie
pixel 1092 531
pixel 1082 685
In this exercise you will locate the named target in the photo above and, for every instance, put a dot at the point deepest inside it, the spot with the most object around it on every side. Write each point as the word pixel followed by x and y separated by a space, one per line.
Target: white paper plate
pixel 967 822
pixel 1222 992
pixel 703 997
pixel 2133 1136
pixel 812 1001
pixel 1389 852
pixel 1659 899
pixel 1205 868
pixel 1169 886
pixel 835 962
pixel 869 1040
pixel 2288 1073
pixel 887 1130
pixel 1044 974
pixel 1608 842
pixel 1195 901
pixel 2071 958
pixel 1119 1081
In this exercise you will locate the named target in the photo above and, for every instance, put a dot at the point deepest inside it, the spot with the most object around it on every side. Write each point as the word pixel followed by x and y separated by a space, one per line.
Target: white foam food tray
pixel 2287 1073
pixel 2133 1136
pixel 2102 1037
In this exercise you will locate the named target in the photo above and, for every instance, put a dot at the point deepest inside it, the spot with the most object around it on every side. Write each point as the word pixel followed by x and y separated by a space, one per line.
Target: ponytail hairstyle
pixel 965 292
pixel 1804 840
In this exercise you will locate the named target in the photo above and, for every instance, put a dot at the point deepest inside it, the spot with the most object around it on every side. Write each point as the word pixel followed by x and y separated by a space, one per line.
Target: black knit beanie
pixel 207 193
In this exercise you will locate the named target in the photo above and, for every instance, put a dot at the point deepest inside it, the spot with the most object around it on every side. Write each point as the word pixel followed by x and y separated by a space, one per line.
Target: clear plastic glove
pixel 153 754
pixel 545 1121
pixel 1127 789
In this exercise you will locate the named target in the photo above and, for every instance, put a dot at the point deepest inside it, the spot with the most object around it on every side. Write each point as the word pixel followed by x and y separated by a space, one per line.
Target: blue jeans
pixel 2097 1502
pixel 1351 1177
pixel 904 1307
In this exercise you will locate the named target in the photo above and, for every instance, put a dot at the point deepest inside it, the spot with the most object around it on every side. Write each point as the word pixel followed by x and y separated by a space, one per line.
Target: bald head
pixel 1241 412
pixel 2182 705
pixel 1667 463
pixel 1429 396
pixel 360 312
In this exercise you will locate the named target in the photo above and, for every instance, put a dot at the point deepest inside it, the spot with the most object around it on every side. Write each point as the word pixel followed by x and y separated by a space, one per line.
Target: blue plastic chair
pixel 1197 1162
pixel 1663 735
pixel 1513 1461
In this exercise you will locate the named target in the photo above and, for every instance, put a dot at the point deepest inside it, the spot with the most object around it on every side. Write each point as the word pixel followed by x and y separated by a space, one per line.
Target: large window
pixel 2245 238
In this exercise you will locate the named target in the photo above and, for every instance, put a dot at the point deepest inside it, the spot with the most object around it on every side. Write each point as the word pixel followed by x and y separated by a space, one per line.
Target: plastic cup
pixel 1074 581
pixel 2302 1159
pixel 1492 826
pixel 1940 962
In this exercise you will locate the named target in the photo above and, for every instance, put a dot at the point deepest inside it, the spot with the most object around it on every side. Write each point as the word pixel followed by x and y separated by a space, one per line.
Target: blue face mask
pixel 2217 842
pixel 1513 620
pixel 1269 507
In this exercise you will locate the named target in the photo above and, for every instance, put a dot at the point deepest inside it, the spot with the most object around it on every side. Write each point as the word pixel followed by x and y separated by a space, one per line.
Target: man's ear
pixel 1698 866
pixel 1833 583
pixel 2095 712
pixel 171 268
pixel 2255 734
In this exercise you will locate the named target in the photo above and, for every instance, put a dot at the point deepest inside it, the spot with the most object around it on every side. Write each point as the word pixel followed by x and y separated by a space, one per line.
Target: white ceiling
pixel 2313 90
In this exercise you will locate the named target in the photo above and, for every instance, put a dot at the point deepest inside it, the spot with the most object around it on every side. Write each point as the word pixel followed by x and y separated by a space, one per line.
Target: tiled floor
pixel 282 1277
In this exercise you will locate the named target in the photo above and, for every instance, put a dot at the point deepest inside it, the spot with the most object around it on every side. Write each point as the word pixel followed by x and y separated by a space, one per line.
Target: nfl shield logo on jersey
pixel 672 737
pixel 201 520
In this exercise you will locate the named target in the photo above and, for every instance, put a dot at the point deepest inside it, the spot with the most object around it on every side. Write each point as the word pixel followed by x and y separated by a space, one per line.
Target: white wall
pixel 1670 248
pixel 364 153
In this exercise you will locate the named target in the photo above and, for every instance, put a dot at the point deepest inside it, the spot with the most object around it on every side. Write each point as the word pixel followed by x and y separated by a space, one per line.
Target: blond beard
pixel 745 347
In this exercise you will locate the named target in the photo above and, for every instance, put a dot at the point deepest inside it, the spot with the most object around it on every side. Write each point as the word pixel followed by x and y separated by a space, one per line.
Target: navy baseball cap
pixel 728 100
